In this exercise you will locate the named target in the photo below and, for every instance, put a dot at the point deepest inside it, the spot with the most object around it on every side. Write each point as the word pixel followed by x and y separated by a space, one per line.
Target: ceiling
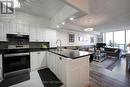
pixel 105 14
pixel 41 8
pixel 102 15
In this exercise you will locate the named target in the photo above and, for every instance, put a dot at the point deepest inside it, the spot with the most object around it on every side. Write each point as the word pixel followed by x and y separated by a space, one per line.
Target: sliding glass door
pixel 127 39
pixel 119 39
pixel 109 38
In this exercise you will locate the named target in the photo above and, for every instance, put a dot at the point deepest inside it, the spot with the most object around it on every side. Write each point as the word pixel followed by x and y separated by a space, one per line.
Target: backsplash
pixel 39 45
pixel 4 45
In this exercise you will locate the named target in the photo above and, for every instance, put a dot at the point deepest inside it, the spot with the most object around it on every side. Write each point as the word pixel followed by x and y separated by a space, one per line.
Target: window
pixel 109 37
pixel 119 37
pixel 127 38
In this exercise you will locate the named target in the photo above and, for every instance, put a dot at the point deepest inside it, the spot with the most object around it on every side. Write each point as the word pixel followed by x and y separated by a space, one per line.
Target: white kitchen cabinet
pixel 59 67
pixel 38 60
pixel 40 34
pixel 56 64
pixel 22 29
pixel 50 36
pixel 72 72
pixel 33 33
pixel 34 61
pixel 0 67
pixel 37 34
pixel 3 31
pixel 12 29
pixel 42 59
pixel 51 61
pixel 17 28
pixel 77 72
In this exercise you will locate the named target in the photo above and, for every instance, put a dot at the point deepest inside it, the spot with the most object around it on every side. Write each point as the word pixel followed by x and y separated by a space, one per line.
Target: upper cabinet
pixel 50 36
pixel 32 33
pixel 22 28
pixel 12 28
pixel 3 31
pixel 41 34
pixel 17 28
pixel 37 33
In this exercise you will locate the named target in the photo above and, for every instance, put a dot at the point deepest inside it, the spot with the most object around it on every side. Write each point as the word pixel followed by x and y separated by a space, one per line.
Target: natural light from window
pixel 127 36
pixel 119 37
pixel 109 37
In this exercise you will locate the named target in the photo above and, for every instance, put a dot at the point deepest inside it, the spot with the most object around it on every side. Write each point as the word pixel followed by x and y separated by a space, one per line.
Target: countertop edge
pixel 67 56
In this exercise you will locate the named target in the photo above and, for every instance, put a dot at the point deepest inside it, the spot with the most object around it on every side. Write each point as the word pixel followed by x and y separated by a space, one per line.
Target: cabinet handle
pixel 60 58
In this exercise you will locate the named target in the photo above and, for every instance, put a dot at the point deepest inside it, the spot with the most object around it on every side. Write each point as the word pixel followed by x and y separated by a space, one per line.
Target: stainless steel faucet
pixel 58 47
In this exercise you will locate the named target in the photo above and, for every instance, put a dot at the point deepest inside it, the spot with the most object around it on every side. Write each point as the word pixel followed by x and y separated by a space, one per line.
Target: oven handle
pixel 16 54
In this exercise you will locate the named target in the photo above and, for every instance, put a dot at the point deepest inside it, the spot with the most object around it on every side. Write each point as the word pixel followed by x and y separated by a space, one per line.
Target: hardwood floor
pixel 118 77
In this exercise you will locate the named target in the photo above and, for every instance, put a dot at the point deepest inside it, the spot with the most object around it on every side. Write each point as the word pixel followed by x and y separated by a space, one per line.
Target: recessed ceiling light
pixel 63 23
pixel 57 26
pixel 88 29
pixel 72 18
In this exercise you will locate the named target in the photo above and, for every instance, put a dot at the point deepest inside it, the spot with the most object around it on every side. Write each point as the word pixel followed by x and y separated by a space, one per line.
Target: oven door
pixel 15 62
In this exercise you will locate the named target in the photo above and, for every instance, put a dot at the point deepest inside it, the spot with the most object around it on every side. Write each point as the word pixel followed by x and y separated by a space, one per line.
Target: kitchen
pixel 25 40
pixel 55 43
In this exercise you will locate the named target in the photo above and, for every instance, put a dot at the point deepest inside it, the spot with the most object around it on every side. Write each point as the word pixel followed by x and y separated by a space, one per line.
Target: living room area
pixel 112 59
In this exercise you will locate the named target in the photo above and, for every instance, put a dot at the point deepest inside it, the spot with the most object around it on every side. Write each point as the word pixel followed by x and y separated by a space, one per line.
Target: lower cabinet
pixel 73 73
pixel 57 65
pixel 38 60
pixel 0 67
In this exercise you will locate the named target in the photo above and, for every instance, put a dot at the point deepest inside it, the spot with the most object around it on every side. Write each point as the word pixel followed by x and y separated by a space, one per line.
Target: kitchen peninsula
pixel 70 66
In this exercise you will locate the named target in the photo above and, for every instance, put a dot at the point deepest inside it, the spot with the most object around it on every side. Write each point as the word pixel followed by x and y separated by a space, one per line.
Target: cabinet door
pixel 40 34
pixel 13 28
pixel 51 61
pixel 42 59
pixel 19 28
pixel 0 67
pixel 50 36
pixel 34 61
pixel 3 31
pixel 22 29
pixel 26 29
pixel 59 67
pixel 48 59
pixel 33 33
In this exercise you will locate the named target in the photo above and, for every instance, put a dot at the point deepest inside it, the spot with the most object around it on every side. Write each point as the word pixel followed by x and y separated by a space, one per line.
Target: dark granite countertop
pixel 72 54
pixel 67 53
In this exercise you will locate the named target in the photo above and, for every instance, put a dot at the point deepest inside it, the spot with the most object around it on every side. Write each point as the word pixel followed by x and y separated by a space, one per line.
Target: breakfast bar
pixel 70 66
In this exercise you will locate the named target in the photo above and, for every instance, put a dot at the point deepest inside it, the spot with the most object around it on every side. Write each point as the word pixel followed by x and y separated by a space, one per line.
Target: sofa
pixel 113 52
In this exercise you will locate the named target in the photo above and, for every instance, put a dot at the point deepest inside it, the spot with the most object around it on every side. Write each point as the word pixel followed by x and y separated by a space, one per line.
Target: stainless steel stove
pixel 16 59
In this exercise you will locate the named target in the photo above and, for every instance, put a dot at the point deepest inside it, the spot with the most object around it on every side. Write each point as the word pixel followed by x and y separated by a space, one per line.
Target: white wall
pixel 64 37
